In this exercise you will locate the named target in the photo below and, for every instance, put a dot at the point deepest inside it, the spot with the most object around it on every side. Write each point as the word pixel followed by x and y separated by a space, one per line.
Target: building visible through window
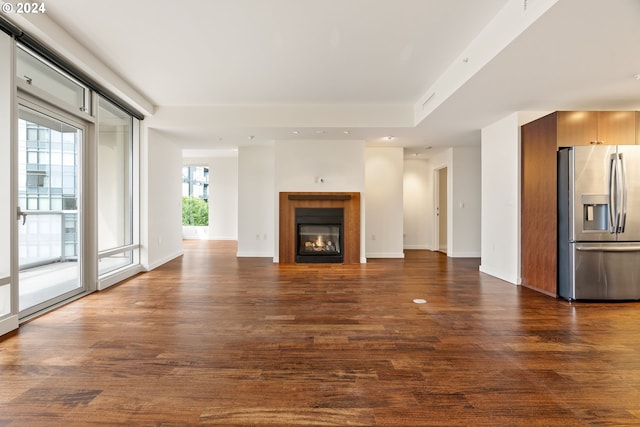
pixel 195 195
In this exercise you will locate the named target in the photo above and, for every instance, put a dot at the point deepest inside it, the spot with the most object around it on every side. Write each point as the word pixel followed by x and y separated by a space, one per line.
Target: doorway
pixel 441 214
pixel 50 154
pixel 195 202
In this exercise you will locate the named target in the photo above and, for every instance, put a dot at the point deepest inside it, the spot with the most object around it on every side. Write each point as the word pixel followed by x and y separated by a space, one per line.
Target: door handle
pixel 614 215
pixel 23 215
pixel 623 191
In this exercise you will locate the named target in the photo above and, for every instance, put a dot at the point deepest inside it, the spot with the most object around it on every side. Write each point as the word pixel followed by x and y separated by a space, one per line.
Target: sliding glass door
pixel 49 209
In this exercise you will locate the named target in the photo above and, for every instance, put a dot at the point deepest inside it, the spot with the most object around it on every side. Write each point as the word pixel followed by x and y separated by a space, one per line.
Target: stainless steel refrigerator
pixel 599 222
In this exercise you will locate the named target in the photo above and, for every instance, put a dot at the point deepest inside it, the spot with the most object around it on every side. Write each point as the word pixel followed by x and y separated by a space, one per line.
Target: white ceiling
pixel 364 64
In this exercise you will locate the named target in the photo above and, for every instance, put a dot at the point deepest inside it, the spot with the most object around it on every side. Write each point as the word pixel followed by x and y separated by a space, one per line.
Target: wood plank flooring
pixel 209 339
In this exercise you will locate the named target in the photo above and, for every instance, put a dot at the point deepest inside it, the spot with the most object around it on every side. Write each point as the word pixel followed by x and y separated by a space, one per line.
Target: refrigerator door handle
pixel 613 199
pixel 623 193
pixel 592 247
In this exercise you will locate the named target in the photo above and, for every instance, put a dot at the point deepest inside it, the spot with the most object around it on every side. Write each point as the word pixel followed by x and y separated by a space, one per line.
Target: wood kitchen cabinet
pixel 596 127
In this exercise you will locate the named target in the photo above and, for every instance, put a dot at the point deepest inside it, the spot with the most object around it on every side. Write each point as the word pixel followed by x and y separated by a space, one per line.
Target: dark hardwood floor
pixel 212 339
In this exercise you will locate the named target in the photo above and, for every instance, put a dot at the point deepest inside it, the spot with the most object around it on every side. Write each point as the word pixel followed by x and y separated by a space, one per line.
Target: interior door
pixel 48 214
pixel 441 210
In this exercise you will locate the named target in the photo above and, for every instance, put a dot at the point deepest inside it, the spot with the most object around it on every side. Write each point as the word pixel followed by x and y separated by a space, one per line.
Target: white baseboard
pixel 385 255
pixel 254 254
pixel 465 255
pixel 162 261
pixel 417 247
pixel 500 275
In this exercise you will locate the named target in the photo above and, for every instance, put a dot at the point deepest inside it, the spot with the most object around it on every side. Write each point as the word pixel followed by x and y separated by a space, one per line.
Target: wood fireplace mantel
pixel 350 202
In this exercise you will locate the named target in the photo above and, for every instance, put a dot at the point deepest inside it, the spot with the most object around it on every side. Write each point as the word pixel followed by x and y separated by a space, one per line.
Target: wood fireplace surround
pixel 349 202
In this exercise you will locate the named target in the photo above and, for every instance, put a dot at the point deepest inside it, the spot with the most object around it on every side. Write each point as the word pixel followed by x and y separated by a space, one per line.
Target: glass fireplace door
pixel 320 239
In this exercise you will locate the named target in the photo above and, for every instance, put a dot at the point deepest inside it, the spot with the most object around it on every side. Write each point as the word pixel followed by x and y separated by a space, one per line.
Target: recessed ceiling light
pixel 295 132
pixel 346 132
pixel 636 76
pixel 389 138
pixel 251 137
pixel 320 132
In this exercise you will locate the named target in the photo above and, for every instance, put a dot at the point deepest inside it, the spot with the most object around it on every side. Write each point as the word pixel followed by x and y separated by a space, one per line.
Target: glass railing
pixel 47 237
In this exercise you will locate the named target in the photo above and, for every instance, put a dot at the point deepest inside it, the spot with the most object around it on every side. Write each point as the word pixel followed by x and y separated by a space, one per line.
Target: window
pixel 116 184
pixel 38 73
pixel 195 195
pixel 36 178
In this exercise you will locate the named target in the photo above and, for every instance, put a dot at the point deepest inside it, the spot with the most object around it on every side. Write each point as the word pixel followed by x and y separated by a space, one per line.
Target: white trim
pixel 8 324
pixel 417 247
pixel 118 276
pixel 162 261
pixel 255 255
pixel 385 255
pixel 464 255
pixel 118 250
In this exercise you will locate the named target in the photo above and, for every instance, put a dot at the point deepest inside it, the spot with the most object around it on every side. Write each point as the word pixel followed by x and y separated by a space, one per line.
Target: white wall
pixel 418 204
pixel 256 202
pixel 223 198
pixel 340 164
pixel 161 199
pixel 384 202
pixel 465 199
pixel 501 196
pixel 501 199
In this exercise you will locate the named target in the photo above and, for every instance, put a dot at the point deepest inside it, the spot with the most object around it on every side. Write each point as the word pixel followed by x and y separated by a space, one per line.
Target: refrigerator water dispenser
pixel 596 210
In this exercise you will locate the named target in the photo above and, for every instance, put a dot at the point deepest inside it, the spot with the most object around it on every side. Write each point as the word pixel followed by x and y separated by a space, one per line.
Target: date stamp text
pixel 23 8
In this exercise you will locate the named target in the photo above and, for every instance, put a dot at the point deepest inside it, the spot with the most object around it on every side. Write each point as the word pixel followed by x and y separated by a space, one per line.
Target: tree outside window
pixel 195 195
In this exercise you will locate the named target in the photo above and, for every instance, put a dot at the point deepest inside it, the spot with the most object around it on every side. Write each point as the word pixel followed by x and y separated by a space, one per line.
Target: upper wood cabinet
pixel 596 127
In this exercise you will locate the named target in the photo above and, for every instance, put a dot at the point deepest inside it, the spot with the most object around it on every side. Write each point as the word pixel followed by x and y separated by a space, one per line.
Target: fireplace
pixel 327 217
pixel 319 235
